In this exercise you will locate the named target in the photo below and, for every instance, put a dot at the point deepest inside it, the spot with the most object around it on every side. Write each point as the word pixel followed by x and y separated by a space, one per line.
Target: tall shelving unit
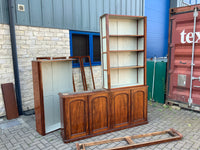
pixel 123 47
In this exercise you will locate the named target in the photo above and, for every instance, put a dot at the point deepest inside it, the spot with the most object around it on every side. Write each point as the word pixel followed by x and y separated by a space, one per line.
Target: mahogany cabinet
pixel 49 78
pixel 88 114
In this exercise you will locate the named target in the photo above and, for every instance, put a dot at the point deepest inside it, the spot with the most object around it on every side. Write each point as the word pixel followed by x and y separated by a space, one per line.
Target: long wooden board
pixel 175 135
pixel 9 100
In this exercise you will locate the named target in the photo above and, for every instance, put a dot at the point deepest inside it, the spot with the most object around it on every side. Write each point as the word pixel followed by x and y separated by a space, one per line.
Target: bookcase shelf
pixel 127 67
pixel 123 46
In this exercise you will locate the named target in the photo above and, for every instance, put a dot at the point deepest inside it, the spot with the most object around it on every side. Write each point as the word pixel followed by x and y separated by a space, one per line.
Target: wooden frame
pixel 80 59
pixel 41 83
pixel 175 136
pixel 90 69
pixel 123 66
pixel 82 72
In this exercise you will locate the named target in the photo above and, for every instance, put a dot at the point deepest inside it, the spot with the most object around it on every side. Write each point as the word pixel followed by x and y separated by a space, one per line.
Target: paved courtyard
pixel 20 134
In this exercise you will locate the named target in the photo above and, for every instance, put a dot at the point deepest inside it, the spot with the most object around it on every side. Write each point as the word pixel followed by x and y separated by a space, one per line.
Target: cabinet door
pixel 120 108
pixel 139 105
pixel 77 117
pixel 99 112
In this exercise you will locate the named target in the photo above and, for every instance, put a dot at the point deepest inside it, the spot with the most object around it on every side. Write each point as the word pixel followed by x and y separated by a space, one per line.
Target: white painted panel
pixel 122 27
pixel 140 58
pixel 127 27
pixel 104 61
pixel 141 27
pixel 123 43
pixel 47 78
pixel 104 26
pixel 123 59
pixel 141 76
pixel 104 45
pixel 105 79
pixel 141 43
pixel 62 77
pixel 113 27
pixel 113 42
pixel 123 77
pixel 57 77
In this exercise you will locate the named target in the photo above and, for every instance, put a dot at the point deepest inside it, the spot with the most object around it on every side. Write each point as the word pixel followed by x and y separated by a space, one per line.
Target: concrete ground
pixel 20 134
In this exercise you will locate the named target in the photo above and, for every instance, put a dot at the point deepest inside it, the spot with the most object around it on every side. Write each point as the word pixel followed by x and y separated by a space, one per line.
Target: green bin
pixel 159 80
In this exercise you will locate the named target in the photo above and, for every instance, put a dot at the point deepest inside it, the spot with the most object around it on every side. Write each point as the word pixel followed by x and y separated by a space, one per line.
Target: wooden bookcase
pixel 123 47
pixel 50 77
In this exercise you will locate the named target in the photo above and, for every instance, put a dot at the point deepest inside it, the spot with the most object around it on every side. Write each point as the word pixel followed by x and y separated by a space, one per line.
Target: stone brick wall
pixel 97 73
pixel 6 66
pixel 35 42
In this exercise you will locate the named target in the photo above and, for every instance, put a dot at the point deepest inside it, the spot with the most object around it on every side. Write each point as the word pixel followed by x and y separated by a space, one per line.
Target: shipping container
pixel 183 73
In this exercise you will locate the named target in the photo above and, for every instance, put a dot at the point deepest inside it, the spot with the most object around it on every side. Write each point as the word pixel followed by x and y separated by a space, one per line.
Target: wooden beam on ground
pixel 175 135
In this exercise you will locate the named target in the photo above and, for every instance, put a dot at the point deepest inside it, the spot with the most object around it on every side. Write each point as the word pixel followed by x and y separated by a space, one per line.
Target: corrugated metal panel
pixel 157 27
pixel 71 14
pixel 180 56
pixel 182 3
pixel 173 3
pixel 35 12
pixel 22 17
pixel 4 18
pixel 47 13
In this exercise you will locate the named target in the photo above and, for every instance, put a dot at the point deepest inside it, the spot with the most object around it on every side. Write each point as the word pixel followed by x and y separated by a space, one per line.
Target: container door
pixel 180 56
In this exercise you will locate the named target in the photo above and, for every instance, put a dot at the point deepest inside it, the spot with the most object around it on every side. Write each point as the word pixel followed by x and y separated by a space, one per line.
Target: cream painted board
pixel 141 43
pixel 123 77
pixel 56 78
pixel 47 78
pixel 127 77
pixel 122 27
pixel 104 61
pixel 119 59
pixel 123 43
pixel 140 58
pixel 141 27
pixel 141 76
pixel 105 79
pixel 104 26
pixel 104 45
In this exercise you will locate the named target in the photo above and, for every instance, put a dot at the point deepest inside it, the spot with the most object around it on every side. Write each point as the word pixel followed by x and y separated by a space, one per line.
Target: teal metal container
pixel 158 93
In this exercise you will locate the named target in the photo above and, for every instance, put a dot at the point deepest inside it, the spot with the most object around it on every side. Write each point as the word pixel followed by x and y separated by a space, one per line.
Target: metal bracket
pixel 196 86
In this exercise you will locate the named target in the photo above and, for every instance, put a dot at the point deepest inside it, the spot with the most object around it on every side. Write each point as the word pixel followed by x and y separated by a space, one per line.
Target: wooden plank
pixel 125 51
pixel 129 140
pixel 9 100
pixel 127 67
pixel 126 35
pixel 144 144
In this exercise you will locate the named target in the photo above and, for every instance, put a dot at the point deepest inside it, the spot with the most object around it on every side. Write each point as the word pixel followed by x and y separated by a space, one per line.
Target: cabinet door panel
pixel 99 111
pixel 120 108
pixel 139 105
pixel 77 117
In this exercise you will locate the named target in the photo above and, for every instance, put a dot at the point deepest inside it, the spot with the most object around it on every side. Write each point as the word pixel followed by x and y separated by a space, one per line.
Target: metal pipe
pixel 11 7
pixel 154 70
pixel 192 62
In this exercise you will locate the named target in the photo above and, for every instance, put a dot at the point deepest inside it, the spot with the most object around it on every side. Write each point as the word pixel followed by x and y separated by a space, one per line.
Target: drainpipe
pixel 11 7
pixel 192 62
pixel 154 71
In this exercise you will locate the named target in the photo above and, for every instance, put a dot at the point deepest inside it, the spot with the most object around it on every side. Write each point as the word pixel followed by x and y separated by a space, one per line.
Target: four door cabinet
pixel 93 113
